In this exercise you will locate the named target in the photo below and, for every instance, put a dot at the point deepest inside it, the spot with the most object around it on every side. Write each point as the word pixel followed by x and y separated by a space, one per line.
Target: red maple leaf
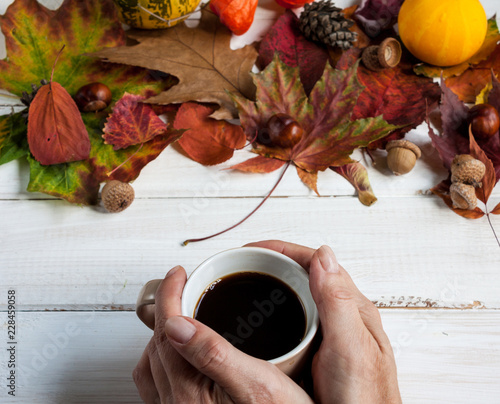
pixel 132 122
pixel 397 94
pixel 286 39
pixel 329 135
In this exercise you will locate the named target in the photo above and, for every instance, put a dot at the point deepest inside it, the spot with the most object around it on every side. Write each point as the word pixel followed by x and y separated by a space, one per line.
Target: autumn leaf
pixel 401 97
pixel 376 16
pixel 496 210
pixel 286 39
pixel 56 133
pixel 330 136
pixel 199 57
pixel 34 35
pixel 259 164
pixel 207 140
pixel 132 122
pixel 357 175
pixel 470 83
pixel 489 45
pixel 489 180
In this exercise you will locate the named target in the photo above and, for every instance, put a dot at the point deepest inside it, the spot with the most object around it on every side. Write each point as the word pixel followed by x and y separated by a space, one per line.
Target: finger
pixel 168 303
pixel 240 375
pixel 144 381
pixel 367 310
pixel 337 306
pixel 300 254
pixel 168 295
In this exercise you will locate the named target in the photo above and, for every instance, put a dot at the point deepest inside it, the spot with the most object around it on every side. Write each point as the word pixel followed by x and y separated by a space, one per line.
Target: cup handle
pixel 145 308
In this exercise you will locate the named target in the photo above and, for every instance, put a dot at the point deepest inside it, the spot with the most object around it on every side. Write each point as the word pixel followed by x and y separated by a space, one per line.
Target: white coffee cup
pixel 245 259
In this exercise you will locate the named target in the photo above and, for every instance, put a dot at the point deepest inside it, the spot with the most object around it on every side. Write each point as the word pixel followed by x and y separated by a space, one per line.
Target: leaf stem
pixel 125 162
pixel 489 219
pixel 194 240
pixel 55 62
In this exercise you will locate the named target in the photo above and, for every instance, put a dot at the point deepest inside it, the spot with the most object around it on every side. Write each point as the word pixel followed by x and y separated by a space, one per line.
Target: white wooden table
pixel 76 272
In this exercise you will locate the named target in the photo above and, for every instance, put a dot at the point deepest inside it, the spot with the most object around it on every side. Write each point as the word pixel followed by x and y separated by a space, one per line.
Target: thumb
pixel 337 307
pixel 216 358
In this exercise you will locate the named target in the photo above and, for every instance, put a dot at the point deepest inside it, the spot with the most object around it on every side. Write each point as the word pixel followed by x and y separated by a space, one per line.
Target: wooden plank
pixel 401 251
pixel 443 356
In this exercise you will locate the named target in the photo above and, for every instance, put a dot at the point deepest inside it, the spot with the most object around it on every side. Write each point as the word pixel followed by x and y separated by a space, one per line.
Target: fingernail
pixel 179 329
pixel 327 259
pixel 172 271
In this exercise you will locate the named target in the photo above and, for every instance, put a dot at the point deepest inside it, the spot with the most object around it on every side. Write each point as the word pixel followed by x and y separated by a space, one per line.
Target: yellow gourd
pixel 442 32
pixel 141 13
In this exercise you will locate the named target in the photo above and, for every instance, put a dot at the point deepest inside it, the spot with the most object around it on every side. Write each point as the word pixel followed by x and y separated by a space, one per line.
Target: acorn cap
pixel 387 54
pixel 463 196
pixel 117 196
pixel 405 144
pixel 466 169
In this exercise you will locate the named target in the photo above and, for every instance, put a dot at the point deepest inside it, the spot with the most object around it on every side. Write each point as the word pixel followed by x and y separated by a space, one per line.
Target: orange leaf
pixel 489 179
pixel 496 211
pixel 259 164
pixel 56 132
pixel 207 140
pixel 310 179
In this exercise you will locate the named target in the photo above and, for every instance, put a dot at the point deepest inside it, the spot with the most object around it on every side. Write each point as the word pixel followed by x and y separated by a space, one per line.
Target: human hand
pixel 355 363
pixel 187 362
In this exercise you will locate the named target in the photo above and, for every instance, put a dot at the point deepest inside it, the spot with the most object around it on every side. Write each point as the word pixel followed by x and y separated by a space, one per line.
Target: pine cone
pixel 27 99
pixel 321 21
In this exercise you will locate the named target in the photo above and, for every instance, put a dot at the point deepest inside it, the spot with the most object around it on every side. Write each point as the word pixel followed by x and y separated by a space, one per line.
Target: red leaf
pixel 310 179
pixel 496 210
pixel 470 83
pixel 286 39
pixel 452 141
pixel 56 132
pixel 489 179
pixel 259 164
pixel 443 191
pixel 377 15
pixel 207 141
pixel 132 122
pixel 397 94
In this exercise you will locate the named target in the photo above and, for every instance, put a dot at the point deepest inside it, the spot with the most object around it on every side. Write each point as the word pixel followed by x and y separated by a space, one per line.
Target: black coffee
pixel 257 313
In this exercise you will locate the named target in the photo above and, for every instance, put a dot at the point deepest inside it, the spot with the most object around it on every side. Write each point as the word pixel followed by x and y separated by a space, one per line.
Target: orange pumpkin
pixel 442 32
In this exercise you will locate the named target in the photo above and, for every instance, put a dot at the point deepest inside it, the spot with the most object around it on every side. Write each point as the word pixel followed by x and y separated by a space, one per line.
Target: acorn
pixel 117 196
pixel 402 156
pixel 466 169
pixel 93 97
pixel 386 55
pixel 463 196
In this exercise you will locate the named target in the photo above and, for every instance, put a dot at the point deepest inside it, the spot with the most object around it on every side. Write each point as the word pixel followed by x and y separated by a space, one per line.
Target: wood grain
pixel 443 356
pixel 407 251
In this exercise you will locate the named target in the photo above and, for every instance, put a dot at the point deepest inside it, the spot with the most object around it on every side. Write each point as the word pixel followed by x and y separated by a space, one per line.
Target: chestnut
pixel 484 121
pixel 281 130
pixel 93 97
